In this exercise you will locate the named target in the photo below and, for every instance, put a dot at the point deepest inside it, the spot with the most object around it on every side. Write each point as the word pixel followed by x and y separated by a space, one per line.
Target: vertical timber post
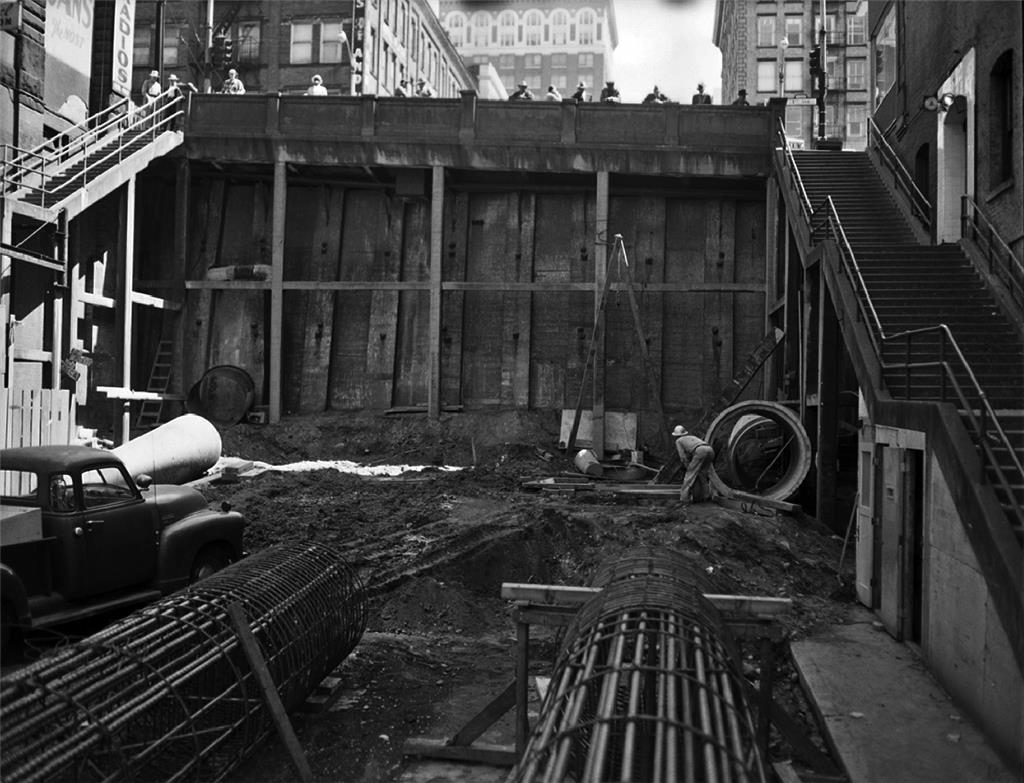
pixel 128 283
pixel 277 282
pixel 436 250
pixel 60 288
pixel 828 413
pixel 600 272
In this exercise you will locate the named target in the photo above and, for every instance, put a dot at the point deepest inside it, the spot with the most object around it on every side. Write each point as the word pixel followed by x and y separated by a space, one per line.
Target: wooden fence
pixel 36 417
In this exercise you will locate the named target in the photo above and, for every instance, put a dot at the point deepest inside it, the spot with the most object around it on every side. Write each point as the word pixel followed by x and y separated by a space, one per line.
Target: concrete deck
pixel 887 718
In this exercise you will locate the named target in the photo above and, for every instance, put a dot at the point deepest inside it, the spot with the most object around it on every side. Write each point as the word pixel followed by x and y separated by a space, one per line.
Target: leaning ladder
pixel 159 379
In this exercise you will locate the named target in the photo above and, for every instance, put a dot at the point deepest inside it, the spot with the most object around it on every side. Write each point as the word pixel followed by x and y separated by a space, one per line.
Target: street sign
pixel 10 17
pixel 801 101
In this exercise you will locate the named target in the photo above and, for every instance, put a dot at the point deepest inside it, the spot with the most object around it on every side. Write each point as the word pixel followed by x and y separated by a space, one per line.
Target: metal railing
pixel 920 207
pixel 825 220
pixel 1002 262
pixel 793 173
pixel 49 169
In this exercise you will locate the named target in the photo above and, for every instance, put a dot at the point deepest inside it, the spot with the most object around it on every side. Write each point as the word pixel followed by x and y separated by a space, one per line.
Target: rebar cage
pixel 647 686
pixel 167 694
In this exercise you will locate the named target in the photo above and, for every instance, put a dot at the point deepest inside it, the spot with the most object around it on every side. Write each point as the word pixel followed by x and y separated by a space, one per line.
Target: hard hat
pixel 316 78
pixel 678 431
pixel 743 92
pixel 154 74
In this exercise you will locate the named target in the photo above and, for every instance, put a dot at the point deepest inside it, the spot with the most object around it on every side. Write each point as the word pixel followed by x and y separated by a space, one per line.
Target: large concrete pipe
pixel 647 686
pixel 181 450
pixel 760 448
pixel 167 693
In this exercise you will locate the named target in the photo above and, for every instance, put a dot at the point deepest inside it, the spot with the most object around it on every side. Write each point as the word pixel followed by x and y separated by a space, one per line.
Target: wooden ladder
pixel 159 379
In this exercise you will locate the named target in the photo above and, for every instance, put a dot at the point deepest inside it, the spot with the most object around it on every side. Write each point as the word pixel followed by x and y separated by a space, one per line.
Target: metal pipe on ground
pixel 647 687
pixel 167 693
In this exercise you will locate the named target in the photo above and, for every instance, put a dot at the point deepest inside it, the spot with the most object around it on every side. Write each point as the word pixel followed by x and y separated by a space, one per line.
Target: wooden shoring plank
pixel 412 364
pixel 269 692
pixel 449 327
pixel 383 325
pixel 277 238
pixel 494 755
pixel 203 253
pixel 486 717
pixel 550 596
pixel 435 384
pixel 519 315
pixel 601 273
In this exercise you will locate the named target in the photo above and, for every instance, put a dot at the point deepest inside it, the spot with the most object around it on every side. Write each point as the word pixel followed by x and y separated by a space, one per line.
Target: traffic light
pixel 814 60
pixel 229 52
pixel 217 52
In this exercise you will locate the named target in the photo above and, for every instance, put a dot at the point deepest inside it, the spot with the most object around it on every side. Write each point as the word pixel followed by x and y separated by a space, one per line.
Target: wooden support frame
pixel 276 284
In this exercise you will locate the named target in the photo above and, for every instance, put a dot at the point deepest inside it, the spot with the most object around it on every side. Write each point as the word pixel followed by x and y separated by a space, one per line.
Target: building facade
pixel 549 42
pixel 357 46
pixel 766 48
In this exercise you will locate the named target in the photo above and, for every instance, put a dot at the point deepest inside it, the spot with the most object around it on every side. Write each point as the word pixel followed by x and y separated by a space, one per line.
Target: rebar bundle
pixel 647 686
pixel 167 693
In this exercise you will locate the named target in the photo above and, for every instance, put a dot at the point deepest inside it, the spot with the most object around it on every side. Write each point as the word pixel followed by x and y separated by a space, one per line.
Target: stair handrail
pixel 54 149
pixel 149 119
pixel 793 171
pixel 920 207
pixel 1004 264
pixel 865 304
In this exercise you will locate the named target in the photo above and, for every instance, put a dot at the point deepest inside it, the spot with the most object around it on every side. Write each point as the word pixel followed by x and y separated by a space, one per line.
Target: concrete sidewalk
pixel 888 719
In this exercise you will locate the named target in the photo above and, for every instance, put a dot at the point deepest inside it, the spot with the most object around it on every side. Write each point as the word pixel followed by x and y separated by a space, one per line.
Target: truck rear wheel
pixel 210 559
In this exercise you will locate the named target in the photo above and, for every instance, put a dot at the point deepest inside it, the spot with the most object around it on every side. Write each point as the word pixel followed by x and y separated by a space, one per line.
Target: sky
pixel 668 43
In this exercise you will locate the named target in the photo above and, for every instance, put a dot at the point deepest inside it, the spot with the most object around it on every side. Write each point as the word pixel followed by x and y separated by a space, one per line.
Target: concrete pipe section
pixel 760 448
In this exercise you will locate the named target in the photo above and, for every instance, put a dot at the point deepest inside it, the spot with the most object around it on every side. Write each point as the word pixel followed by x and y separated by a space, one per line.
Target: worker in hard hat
pixel 698 457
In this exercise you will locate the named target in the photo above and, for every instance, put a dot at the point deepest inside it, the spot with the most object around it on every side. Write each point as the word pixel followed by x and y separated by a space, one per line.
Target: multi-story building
pixel 766 50
pixel 546 42
pixel 357 47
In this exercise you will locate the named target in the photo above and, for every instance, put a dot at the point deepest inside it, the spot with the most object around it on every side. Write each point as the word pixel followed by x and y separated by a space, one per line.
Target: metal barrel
pixel 647 686
pixel 167 694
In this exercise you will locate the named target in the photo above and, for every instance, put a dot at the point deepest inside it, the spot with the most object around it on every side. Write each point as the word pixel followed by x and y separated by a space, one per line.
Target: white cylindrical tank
pixel 179 451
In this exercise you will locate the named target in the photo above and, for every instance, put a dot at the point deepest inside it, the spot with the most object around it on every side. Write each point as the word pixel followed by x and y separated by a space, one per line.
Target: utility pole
pixel 822 75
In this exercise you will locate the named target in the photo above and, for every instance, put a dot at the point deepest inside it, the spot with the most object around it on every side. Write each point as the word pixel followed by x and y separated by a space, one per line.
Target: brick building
pixel 765 49
pixel 551 42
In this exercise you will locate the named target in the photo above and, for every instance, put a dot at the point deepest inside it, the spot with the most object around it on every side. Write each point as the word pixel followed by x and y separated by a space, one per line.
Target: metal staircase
pixel 934 324
pixel 102 152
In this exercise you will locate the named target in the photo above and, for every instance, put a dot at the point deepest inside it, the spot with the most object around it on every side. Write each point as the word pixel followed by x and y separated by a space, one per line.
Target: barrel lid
pixel 223 395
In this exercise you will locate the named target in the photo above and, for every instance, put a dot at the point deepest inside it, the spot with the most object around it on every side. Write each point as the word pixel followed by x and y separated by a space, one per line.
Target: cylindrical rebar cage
pixel 167 694
pixel 647 686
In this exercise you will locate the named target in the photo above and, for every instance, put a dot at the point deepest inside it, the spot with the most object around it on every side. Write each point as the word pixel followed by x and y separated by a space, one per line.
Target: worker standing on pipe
pixel 698 457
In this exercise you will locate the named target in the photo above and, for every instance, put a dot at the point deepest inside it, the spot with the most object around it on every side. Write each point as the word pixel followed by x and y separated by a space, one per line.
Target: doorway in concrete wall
pixel 952 166
pixel 901 581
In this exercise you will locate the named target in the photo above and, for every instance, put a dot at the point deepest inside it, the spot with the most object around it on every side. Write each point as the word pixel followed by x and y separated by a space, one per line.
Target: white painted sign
pixel 124 47
pixel 68 41
pixel 801 101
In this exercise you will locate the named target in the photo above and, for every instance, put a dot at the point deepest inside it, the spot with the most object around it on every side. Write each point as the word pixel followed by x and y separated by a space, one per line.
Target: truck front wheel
pixel 210 559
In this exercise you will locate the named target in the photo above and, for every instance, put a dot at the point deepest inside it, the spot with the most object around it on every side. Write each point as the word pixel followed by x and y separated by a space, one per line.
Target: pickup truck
pixel 80 536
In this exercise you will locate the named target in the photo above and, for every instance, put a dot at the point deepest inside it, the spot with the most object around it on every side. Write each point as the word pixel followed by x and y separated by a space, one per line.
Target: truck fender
pixel 14 595
pixel 181 541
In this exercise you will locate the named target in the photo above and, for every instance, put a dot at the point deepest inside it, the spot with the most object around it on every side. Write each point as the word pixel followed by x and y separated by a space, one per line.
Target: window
pixel 856 74
pixel 481 28
pixel 171 32
pixel 559 60
pixel 856 30
pixel 302 43
pixel 830 28
pixel 795 121
pixel 330 42
pixel 766 76
pixel 104 487
pixel 794 73
pixel 247 45
pixel 794 30
pixel 856 122
pixel 560 80
pixel 456 29
pixel 586 61
pixel 885 56
pixel 559 28
pixel 766 31
pixel 533 28
pixel 1001 120
pixel 834 79
pixel 587 23
pixel 143 45
pixel 533 81
pixel 533 61
pixel 62 493
pixel 834 125
pixel 506 61
pixel 507 28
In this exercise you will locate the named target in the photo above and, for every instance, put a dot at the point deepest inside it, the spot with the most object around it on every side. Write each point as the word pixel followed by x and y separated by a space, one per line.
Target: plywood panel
pixel 413 327
pixel 561 324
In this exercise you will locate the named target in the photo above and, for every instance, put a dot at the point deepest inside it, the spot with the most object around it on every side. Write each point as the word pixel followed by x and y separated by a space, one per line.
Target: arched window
pixel 457 29
pixel 507 28
pixel 533 28
pixel 559 27
pixel 586 24
pixel 481 28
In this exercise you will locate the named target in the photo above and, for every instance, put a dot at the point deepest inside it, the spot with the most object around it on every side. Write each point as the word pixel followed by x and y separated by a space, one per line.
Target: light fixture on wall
pixel 944 102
